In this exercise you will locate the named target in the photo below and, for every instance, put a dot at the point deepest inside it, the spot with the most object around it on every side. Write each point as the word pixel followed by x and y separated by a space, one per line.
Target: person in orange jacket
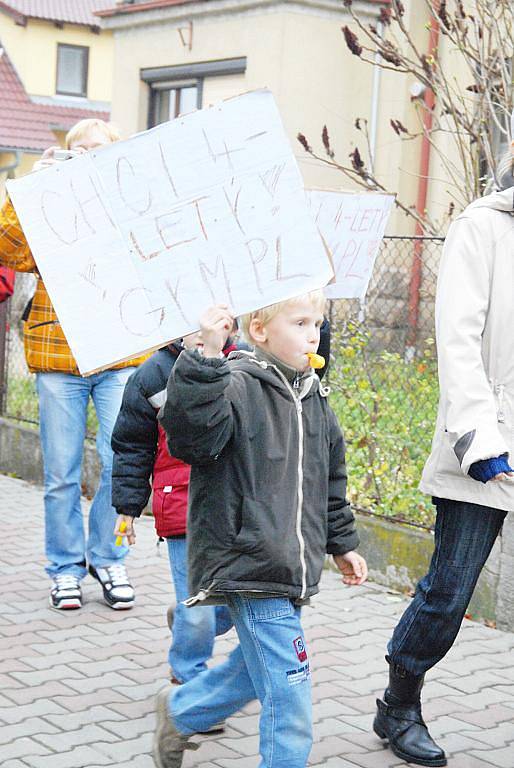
pixel 63 399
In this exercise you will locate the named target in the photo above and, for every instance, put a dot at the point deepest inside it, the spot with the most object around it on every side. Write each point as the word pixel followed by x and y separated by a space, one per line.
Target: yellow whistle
pixel 316 361
pixel 119 539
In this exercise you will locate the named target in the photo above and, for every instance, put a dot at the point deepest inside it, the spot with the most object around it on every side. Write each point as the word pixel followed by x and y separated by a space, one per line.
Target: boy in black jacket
pixel 267 501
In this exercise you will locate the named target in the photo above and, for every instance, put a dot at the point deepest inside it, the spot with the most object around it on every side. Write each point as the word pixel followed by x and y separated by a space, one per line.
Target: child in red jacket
pixel 142 463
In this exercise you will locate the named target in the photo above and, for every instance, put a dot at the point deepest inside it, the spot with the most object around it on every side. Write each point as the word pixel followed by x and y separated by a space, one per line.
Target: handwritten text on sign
pixel 135 240
pixel 353 227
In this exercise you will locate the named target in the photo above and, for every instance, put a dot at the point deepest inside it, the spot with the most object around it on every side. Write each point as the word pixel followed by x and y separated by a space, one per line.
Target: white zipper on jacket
pixel 299 508
pixel 500 389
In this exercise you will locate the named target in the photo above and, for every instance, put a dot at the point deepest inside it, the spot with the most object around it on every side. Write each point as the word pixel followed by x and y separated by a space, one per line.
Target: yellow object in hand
pixel 119 539
pixel 316 361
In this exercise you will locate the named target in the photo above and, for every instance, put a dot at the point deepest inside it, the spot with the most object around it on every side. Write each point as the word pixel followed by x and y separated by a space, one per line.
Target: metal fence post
pixel 4 325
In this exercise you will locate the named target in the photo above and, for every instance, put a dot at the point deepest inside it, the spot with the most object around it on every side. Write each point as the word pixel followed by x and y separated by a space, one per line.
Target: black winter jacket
pixel 135 434
pixel 267 496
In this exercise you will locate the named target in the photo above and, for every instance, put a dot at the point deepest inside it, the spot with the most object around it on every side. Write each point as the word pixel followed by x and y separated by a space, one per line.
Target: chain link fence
pixel 383 380
pixel 383 377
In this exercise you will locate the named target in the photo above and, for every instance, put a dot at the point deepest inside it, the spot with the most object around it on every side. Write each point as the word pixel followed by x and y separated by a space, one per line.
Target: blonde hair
pixel 80 129
pixel 316 298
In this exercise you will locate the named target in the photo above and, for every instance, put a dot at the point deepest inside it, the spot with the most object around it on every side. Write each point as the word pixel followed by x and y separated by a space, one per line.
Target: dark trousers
pixel 464 536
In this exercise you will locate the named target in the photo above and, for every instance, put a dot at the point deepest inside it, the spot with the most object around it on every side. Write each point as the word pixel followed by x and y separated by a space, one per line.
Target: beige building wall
pixel 299 55
pixel 33 51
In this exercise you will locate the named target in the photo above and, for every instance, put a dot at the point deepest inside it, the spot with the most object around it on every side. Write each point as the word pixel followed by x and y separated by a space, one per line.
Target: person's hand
pixel 502 476
pixel 46 159
pixel 129 532
pixel 215 325
pixel 353 567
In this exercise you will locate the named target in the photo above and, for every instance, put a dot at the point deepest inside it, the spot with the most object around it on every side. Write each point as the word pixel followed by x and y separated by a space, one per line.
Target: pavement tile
pixel 51 689
pixel 74 703
pixel 37 708
pixel 80 757
pixel 334 762
pixel 465 760
pixel 500 758
pixel 23 747
pixel 460 742
pixel 14 764
pixel 87 734
pixel 331 746
pixel 489 717
pixel 383 759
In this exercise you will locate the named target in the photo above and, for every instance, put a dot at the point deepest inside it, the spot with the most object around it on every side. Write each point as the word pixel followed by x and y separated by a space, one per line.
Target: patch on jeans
pixel 295 676
pixel 300 649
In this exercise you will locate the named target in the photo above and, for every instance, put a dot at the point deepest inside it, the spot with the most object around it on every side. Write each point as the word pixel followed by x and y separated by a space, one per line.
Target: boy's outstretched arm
pixel 134 443
pixel 342 537
pixel 197 415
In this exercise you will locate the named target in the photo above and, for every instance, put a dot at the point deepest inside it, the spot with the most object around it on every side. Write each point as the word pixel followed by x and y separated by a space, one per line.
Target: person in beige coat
pixel 468 472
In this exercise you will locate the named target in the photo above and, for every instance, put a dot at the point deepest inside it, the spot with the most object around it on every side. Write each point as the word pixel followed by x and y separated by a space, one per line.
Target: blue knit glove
pixel 488 468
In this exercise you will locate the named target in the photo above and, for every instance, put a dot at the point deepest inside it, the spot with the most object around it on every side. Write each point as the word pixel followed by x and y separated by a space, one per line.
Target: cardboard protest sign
pixel 135 240
pixel 353 226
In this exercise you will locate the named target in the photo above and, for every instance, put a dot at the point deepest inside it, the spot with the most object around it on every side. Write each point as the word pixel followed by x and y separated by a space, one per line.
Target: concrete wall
pixel 20 456
pixel 398 555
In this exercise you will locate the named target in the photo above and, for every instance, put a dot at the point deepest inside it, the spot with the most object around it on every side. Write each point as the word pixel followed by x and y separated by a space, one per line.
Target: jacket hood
pixel 499 201
pixel 247 361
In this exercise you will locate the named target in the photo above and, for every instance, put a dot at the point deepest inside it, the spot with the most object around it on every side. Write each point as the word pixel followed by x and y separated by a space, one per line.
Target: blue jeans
pixel 464 536
pixel 63 400
pixel 269 664
pixel 194 629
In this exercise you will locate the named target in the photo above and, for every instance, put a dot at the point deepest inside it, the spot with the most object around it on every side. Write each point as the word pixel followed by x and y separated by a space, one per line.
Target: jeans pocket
pixel 266 608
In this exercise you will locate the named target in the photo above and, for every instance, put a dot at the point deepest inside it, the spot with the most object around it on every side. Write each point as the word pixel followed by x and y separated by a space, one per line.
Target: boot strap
pixel 410 714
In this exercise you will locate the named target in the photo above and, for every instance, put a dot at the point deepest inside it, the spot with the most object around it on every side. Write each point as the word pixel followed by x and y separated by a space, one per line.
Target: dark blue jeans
pixel 464 536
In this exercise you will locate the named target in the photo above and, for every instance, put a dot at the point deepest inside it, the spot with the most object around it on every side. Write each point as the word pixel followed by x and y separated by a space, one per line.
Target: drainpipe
pixel 421 203
pixel 375 95
pixel 373 130
pixel 12 166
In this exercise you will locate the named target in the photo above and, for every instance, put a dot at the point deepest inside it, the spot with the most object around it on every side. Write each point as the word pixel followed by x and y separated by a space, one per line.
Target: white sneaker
pixel 65 594
pixel 118 591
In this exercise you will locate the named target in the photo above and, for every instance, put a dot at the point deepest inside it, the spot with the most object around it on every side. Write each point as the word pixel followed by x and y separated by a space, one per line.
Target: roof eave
pixel 26 150
pixel 18 17
pixel 156 12
pixel 22 18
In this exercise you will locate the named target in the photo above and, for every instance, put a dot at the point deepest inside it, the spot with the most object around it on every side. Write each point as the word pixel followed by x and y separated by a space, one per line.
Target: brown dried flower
pixel 352 41
pixel 303 141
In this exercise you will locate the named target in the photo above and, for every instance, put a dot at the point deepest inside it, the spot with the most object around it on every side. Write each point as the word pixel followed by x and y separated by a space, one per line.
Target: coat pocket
pixel 267 528
pixel 169 507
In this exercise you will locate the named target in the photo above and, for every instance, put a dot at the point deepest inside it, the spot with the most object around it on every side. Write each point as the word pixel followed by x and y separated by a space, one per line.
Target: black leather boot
pixel 399 719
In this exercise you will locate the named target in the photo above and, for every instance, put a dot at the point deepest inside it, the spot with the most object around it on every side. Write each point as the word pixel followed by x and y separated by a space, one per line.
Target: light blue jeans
pixel 194 629
pixel 270 664
pixel 63 400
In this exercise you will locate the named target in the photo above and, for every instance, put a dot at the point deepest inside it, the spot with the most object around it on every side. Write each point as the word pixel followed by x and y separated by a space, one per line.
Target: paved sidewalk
pixel 76 689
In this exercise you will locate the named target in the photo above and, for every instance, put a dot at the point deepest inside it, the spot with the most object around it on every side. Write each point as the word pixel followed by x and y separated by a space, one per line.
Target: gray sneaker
pixel 168 743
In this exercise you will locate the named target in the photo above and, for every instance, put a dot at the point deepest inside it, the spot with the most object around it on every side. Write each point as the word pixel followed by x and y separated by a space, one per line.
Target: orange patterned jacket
pixel 46 348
